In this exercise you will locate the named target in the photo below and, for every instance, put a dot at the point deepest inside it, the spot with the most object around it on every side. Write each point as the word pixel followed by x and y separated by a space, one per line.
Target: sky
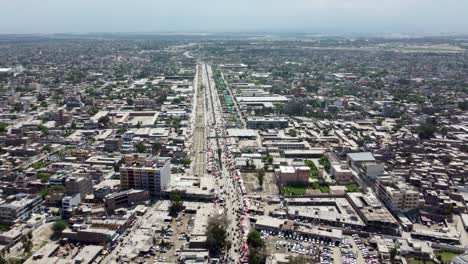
pixel 312 16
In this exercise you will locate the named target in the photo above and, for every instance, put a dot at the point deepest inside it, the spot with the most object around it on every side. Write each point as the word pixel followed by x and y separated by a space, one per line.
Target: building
pixel 258 122
pixel 69 202
pixel 125 198
pixel 365 164
pixel 374 214
pixel 342 173
pixel 146 174
pixel 112 144
pixel 396 194
pixel 18 208
pixel 289 175
pixel 90 235
pixel 286 144
pixel 81 185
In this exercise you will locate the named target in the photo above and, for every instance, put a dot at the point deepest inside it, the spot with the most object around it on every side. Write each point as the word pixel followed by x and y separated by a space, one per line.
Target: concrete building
pixel 112 144
pixel 146 174
pixel 374 214
pixel 342 173
pixel 81 185
pixel 70 201
pixel 397 195
pixel 90 235
pixel 125 198
pixel 18 208
pixel 365 164
pixel 257 122
pixel 289 175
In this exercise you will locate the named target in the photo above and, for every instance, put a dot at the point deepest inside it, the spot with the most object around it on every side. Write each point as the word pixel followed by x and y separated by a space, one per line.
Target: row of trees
pixel 216 235
pixel 257 249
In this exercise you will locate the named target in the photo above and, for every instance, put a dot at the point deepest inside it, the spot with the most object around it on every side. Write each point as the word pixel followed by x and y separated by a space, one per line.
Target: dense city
pixel 241 148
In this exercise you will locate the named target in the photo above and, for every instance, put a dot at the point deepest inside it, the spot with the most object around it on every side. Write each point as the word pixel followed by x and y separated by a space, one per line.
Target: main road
pixel 227 186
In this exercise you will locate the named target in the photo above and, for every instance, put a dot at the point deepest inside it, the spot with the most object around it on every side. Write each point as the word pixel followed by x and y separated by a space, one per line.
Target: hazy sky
pixel 318 16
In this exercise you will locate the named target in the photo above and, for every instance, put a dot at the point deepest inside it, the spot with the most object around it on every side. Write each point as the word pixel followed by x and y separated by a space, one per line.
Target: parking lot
pixel 351 250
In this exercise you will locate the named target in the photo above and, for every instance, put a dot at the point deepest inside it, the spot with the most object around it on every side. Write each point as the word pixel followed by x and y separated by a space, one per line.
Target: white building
pixel 146 174
pixel 396 194
pixel 18 208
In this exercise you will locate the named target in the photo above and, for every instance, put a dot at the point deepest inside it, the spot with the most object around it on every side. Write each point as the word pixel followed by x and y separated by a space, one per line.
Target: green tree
pixel 27 246
pixel 186 161
pixel 254 239
pixel 269 159
pixel 257 252
pixel 140 147
pixel 260 176
pixel 3 127
pixel 176 205
pixel 463 105
pixel 216 235
pixel 379 121
pixel 58 227
pixel 426 131
pixel 43 129
pixel 292 132
pixel 104 121
pixel 325 162
pixel 156 148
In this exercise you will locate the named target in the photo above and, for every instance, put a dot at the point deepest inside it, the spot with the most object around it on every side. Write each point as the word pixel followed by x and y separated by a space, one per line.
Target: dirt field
pixel 269 184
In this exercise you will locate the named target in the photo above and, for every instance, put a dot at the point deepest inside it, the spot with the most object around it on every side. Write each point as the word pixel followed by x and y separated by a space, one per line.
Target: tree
pixel 156 148
pixel 292 132
pixel 176 205
pixel 260 177
pixel 254 239
pixel 393 253
pixel 257 254
pixel 269 159
pixel 426 131
pixel 3 127
pixel 140 147
pixel 43 129
pixel 379 121
pixel 325 162
pixel 186 161
pixel 58 227
pixel 463 105
pixel 216 234
pixel 29 235
pixel 444 131
pixel 104 121
pixel 27 245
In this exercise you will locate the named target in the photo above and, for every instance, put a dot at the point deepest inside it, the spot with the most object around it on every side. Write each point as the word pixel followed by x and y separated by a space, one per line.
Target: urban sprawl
pixel 233 149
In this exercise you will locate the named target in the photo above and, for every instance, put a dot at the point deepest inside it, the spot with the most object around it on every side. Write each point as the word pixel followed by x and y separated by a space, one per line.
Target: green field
pixel 446 255
pixel 415 261
pixel 352 187
pixel 290 190
pixel 323 186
